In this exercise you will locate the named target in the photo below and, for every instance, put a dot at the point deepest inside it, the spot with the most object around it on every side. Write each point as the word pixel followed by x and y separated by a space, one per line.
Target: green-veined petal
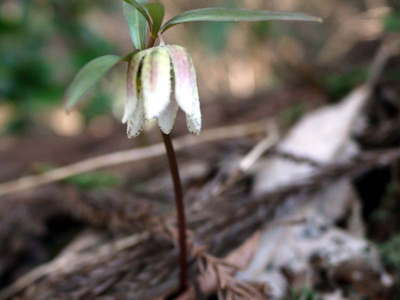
pixel 156 81
pixel 132 95
pixel 136 123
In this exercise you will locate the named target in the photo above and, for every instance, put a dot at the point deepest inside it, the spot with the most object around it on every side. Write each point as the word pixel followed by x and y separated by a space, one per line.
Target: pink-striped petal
pixel 156 81
pixel 186 92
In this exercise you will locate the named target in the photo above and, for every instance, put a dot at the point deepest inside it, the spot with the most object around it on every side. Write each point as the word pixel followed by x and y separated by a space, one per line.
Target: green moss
pixel 86 181
pixel 339 85
pixel 94 180
pixel 304 293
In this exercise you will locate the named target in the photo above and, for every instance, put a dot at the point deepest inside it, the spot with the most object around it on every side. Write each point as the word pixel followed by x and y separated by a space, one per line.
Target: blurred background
pixel 246 72
pixel 44 43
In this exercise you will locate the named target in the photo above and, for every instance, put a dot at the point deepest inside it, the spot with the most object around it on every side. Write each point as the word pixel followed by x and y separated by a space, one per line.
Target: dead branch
pixel 129 156
pixel 250 159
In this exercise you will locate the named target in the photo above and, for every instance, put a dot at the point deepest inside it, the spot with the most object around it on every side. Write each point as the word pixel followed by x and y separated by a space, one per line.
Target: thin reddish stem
pixel 180 210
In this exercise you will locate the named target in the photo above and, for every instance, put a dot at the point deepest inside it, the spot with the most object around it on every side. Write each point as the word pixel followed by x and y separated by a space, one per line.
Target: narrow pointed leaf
pixel 157 12
pixel 219 14
pixel 143 11
pixel 137 25
pixel 87 77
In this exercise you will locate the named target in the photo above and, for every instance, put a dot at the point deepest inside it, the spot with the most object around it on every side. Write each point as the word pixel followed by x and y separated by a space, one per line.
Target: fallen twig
pixel 248 161
pixel 389 47
pixel 129 156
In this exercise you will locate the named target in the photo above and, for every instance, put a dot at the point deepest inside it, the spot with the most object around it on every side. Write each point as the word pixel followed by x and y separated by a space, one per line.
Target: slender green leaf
pixel 87 77
pixel 141 9
pixel 219 14
pixel 137 25
pixel 157 12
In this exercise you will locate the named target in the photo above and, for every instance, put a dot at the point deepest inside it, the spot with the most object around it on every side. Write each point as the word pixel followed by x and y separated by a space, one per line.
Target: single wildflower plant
pixel 161 79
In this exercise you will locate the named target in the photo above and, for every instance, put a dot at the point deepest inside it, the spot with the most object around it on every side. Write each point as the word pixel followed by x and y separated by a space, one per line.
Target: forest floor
pixel 331 231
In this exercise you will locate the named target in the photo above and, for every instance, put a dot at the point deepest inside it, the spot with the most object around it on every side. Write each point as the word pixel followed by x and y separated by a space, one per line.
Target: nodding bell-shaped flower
pixel 154 75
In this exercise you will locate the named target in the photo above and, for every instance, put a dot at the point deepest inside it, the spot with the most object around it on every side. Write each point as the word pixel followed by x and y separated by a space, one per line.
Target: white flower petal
pixel 156 81
pixel 136 122
pixel 194 121
pixel 131 86
pixel 166 120
pixel 186 92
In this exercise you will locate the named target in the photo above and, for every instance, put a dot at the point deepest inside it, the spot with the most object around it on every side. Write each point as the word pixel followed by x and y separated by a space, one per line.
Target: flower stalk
pixel 179 199
pixel 180 210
